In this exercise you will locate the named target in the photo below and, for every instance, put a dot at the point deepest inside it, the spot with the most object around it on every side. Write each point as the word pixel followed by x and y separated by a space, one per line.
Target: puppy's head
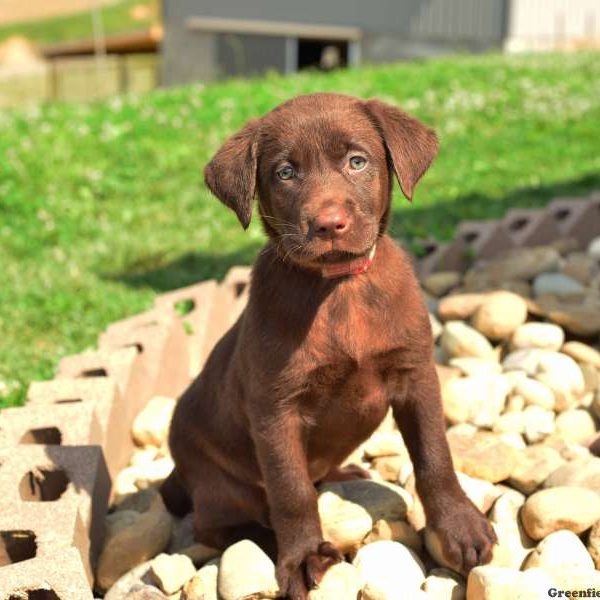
pixel 322 167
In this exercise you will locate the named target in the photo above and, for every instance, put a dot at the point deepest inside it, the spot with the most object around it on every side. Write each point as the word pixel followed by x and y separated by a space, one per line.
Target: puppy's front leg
pixel 466 535
pixel 303 556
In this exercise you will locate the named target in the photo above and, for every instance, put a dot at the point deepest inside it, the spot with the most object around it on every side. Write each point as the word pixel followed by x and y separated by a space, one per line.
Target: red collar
pixel 352 267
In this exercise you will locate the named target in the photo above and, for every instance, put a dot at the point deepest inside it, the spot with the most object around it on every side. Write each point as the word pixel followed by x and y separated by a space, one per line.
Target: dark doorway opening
pixel 325 55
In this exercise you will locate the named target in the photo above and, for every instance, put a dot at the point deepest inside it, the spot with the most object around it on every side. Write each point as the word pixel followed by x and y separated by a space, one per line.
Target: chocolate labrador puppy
pixel 334 333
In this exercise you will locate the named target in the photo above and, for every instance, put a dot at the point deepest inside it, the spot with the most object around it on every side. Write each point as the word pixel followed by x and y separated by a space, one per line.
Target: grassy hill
pixel 102 206
pixel 116 18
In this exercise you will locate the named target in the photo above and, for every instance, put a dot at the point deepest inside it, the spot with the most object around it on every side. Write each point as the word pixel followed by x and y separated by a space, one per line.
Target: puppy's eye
pixel 358 163
pixel 286 173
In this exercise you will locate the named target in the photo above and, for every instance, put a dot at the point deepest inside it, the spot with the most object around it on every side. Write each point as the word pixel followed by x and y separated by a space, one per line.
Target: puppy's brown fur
pixel 313 364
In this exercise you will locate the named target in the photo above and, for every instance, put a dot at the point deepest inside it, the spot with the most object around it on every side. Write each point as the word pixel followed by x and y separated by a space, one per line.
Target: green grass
pixel 102 206
pixel 116 18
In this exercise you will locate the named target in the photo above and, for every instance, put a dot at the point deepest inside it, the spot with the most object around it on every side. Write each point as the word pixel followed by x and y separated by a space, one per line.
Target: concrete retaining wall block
pixel 60 576
pixel 114 415
pixel 66 425
pixel 483 239
pixel 46 481
pixel 442 257
pixel 530 227
pixel 230 299
pixel 577 218
pixel 161 342
pixel 29 531
pixel 125 365
pixel 193 306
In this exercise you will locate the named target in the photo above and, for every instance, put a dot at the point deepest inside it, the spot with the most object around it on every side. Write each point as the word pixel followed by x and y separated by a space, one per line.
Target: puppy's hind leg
pixel 175 496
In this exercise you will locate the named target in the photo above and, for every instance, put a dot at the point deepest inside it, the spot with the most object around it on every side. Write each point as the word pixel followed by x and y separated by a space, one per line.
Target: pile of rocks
pixel 519 366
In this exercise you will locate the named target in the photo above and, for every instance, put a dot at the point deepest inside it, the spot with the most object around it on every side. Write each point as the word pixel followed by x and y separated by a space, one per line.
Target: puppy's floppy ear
pixel 231 174
pixel 411 145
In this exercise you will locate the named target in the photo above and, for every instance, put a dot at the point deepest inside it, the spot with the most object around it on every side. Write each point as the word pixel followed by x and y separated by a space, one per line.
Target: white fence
pixel 553 24
pixel 79 79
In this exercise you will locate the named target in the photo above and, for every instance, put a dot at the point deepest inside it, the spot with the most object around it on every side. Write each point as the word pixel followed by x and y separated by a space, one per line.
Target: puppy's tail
pixel 175 496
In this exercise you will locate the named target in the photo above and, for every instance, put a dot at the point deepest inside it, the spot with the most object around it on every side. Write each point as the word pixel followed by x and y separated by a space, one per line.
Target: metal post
pixel 99 40
pixel 291 55
pixel 123 73
pixel 354 54
pixel 53 88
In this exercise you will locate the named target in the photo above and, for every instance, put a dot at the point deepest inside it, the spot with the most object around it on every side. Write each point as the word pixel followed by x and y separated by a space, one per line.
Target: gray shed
pixel 208 39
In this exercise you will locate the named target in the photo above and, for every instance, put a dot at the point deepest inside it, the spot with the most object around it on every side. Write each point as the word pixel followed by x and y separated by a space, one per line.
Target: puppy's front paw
pixel 300 570
pixel 461 539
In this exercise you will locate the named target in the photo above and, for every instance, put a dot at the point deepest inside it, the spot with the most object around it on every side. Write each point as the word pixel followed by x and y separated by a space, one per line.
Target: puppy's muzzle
pixel 330 223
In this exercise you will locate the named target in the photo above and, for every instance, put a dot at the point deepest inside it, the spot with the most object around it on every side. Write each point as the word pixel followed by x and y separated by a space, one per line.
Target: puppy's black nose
pixel 331 222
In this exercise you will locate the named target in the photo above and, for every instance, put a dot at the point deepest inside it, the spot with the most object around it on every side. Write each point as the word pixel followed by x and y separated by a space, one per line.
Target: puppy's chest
pixel 350 396
pixel 368 336
pixel 356 353
pixel 369 378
